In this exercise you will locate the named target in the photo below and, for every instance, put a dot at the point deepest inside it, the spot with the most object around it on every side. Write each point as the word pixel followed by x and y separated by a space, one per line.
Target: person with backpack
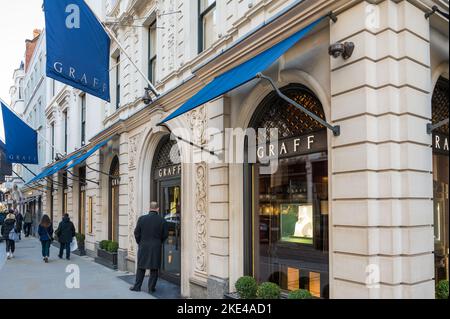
pixel 9 234
pixel 45 232
pixel 65 233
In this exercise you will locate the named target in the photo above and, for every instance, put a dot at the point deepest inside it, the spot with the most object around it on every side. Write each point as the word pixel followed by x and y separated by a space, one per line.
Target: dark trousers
pixel 46 248
pixel 65 246
pixel 153 280
pixel 10 246
pixel 27 229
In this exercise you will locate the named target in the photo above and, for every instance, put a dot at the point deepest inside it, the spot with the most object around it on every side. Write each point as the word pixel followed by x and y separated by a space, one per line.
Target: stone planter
pixel 106 259
pixel 81 251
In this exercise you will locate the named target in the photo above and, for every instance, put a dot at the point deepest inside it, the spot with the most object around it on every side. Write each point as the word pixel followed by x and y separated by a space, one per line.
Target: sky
pixel 18 19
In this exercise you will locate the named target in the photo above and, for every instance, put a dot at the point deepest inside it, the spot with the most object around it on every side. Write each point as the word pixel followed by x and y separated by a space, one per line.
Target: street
pixel 28 277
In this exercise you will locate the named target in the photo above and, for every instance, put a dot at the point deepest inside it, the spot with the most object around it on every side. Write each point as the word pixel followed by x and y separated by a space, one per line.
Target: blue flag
pixel 20 141
pixel 77 47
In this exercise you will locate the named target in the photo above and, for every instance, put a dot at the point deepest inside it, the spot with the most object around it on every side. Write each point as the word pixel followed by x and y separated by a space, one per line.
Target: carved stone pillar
pixel 134 143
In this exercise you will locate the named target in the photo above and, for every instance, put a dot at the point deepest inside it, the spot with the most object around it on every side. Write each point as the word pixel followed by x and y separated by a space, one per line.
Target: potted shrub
pixel 442 290
pixel 81 238
pixel 104 244
pixel 268 290
pixel 300 294
pixel 113 247
pixel 107 254
pixel 247 287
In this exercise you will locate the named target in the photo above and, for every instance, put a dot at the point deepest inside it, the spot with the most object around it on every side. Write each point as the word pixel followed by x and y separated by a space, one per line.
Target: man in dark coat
pixel 151 232
pixel 28 221
pixel 19 224
pixel 65 233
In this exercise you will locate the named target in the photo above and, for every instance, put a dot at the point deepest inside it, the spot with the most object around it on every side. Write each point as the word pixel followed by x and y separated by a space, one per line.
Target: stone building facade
pixel 368 192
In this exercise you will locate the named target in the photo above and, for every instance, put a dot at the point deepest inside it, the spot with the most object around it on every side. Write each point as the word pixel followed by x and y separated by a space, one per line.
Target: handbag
pixel 13 235
pixel 49 237
pixel 74 245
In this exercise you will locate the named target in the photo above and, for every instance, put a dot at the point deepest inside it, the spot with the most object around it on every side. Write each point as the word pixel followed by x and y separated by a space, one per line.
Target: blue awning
pixel 68 163
pixel 85 156
pixel 241 74
pixel 53 169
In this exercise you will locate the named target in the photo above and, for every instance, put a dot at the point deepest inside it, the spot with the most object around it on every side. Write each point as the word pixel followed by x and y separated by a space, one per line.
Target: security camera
pixel 342 49
pixel 147 98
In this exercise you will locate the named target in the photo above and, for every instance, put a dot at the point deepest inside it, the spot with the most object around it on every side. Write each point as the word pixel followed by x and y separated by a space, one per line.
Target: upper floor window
pixel 83 120
pixel 207 24
pixel 66 140
pixel 118 82
pixel 20 89
pixel 53 85
pixel 152 52
pixel 52 132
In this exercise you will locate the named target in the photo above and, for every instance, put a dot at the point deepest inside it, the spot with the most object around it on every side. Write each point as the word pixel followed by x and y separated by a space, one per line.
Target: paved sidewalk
pixel 28 277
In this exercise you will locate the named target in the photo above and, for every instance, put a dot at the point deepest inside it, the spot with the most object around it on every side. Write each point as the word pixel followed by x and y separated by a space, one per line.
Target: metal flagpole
pixel 114 38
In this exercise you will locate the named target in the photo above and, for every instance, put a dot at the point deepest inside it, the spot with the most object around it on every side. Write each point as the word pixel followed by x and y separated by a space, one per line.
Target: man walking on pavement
pixel 65 233
pixel 28 221
pixel 151 232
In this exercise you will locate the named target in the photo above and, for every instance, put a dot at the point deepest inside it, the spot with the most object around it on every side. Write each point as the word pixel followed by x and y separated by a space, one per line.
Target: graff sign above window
pixel 440 143
pixel 306 144
pixel 166 172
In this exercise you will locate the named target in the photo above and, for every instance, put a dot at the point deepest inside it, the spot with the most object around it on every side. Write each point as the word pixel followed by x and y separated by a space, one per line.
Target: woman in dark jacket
pixel 7 227
pixel 65 233
pixel 45 232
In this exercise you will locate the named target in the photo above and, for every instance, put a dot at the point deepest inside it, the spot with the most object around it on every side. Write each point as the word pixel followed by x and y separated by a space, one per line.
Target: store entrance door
pixel 170 202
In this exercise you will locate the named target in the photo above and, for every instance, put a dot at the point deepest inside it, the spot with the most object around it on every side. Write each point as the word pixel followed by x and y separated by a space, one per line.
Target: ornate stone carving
pixel 133 149
pixel 131 219
pixel 201 218
pixel 197 122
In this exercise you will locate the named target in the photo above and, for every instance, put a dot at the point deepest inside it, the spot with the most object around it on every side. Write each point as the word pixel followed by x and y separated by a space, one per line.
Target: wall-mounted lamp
pixel 342 49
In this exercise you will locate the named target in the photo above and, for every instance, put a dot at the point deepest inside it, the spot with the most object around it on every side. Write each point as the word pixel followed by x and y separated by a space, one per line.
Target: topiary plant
pixel 300 294
pixel 268 290
pixel 113 247
pixel 247 287
pixel 104 244
pixel 442 290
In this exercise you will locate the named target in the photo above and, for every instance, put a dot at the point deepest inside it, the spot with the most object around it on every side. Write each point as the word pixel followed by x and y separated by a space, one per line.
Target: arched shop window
pixel 440 112
pixel 286 232
pixel 167 192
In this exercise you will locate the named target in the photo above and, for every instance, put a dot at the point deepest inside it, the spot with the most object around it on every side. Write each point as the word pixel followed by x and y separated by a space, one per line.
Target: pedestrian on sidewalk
pixel 65 233
pixel 45 232
pixel 19 224
pixel 151 232
pixel 28 222
pixel 8 233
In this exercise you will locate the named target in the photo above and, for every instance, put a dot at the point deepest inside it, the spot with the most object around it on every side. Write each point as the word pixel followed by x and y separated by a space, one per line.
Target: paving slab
pixel 28 277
